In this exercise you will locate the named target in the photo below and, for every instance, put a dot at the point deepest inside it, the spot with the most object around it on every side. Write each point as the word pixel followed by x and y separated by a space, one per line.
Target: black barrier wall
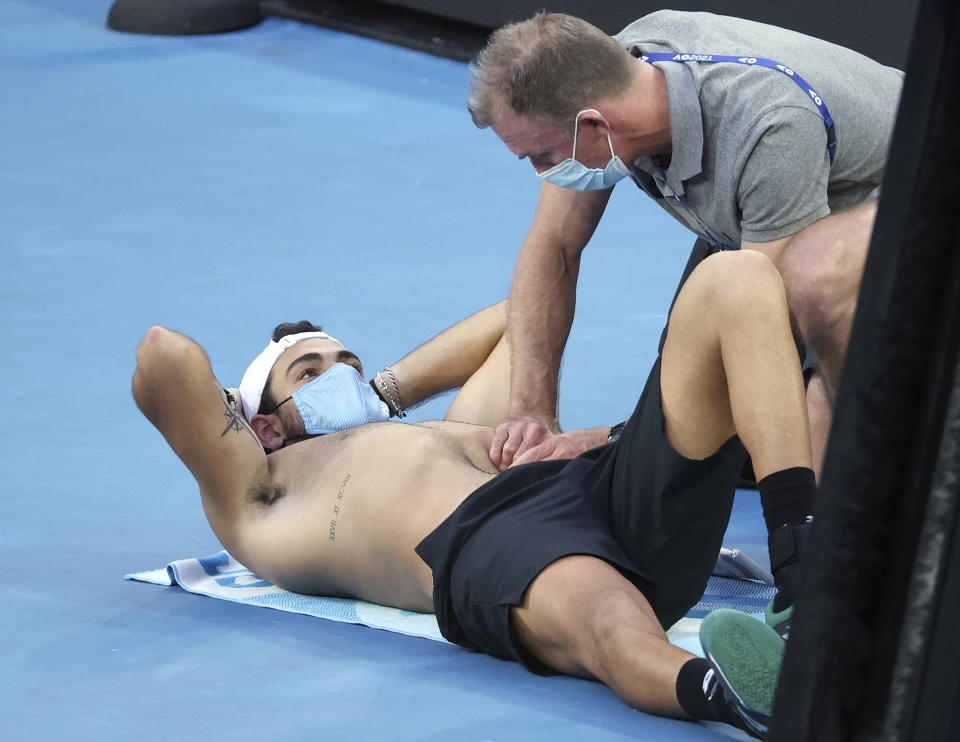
pixel 873 652
pixel 879 29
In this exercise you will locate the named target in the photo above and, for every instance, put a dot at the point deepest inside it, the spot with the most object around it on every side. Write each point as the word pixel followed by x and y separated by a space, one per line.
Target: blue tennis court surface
pixel 219 185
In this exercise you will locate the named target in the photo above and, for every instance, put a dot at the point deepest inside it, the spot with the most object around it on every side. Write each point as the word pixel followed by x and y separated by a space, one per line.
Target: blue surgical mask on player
pixel 338 399
pixel 571 173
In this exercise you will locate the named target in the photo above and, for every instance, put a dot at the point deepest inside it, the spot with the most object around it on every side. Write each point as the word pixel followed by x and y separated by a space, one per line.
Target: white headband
pixel 255 377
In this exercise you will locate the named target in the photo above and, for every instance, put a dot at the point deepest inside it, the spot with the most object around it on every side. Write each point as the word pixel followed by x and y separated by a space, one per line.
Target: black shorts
pixel 656 516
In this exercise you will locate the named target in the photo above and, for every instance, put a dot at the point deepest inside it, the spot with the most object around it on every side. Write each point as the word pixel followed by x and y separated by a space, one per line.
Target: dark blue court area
pixel 218 185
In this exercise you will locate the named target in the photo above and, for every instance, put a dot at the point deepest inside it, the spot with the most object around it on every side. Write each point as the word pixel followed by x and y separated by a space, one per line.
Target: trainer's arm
pixel 540 313
pixel 449 359
pixel 175 388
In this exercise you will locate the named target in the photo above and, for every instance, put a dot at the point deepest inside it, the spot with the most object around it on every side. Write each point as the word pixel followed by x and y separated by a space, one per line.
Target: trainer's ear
pixel 593 117
pixel 269 430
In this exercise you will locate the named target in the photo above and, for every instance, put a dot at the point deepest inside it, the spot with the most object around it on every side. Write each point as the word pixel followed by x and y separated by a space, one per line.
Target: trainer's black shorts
pixel 657 517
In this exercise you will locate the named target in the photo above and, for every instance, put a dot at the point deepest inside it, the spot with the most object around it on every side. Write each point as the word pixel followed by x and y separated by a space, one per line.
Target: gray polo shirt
pixel 749 152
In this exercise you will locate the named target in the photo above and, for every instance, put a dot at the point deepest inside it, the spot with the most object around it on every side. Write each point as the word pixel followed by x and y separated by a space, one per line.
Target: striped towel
pixel 221 576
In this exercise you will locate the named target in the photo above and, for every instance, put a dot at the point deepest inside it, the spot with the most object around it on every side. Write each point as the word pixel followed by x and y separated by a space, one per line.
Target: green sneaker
pixel 745 655
pixel 779 621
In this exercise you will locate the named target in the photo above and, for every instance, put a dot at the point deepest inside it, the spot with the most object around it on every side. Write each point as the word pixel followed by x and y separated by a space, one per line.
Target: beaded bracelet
pixel 391 398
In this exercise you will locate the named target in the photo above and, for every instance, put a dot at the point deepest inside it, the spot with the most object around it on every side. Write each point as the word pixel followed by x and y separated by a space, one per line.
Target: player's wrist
pixel 387 387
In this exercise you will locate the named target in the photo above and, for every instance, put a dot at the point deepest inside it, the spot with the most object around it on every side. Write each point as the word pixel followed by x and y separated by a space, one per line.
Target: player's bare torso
pixel 341 514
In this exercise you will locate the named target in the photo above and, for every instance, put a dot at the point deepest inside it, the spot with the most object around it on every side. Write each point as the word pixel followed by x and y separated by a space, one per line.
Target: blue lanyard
pixel 709 235
pixel 750 61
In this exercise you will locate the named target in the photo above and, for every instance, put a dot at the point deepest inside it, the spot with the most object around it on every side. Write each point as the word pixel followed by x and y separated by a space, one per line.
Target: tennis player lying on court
pixel 571 566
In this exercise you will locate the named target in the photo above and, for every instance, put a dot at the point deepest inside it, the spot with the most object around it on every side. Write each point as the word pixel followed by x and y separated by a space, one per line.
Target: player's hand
pixel 563 446
pixel 516 435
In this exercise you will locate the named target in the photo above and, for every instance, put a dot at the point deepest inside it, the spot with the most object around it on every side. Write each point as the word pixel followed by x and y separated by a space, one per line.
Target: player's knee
pixel 751 271
pixel 734 282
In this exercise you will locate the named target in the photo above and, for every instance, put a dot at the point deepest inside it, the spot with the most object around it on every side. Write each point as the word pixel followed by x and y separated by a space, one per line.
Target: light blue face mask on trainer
pixel 571 173
pixel 338 399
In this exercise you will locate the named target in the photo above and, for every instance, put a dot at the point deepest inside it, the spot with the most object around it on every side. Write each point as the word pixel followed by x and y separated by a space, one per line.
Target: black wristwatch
pixel 616 431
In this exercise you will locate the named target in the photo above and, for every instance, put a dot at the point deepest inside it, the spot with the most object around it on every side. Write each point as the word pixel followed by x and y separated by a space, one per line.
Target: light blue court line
pixel 219 185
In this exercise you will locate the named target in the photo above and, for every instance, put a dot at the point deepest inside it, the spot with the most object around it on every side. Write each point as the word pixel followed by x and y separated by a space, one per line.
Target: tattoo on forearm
pixel 235 422
pixel 336 507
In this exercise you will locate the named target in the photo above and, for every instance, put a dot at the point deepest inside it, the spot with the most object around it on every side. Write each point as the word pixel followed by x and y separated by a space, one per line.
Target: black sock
pixel 787 500
pixel 787 496
pixel 700 695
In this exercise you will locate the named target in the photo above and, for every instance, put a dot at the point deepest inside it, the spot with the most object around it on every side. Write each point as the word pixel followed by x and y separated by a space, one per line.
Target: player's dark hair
pixel 292 328
pixel 268 403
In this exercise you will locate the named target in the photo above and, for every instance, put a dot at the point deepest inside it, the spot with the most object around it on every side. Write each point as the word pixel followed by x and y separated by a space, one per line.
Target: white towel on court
pixel 221 576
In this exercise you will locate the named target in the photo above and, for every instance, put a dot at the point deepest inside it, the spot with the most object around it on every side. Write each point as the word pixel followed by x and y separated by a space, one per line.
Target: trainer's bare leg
pixel 581 617
pixel 730 366
pixel 821 267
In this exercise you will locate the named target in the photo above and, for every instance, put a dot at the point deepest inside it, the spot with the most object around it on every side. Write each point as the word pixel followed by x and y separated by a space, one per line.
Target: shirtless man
pixel 566 566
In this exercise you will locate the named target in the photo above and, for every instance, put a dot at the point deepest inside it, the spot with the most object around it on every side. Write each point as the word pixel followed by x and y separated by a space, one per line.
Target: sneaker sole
pixel 746 655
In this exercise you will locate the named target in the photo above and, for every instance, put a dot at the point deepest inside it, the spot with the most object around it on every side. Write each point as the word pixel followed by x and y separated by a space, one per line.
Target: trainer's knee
pixel 823 263
pixel 822 280
pixel 814 294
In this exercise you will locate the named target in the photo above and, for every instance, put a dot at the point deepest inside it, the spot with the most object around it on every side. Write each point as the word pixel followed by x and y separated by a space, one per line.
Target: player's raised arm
pixel 450 358
pixel 175 388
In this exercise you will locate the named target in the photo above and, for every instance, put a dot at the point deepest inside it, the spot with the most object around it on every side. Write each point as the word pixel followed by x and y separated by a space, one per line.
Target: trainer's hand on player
pixel 564 445
pixel 517 435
